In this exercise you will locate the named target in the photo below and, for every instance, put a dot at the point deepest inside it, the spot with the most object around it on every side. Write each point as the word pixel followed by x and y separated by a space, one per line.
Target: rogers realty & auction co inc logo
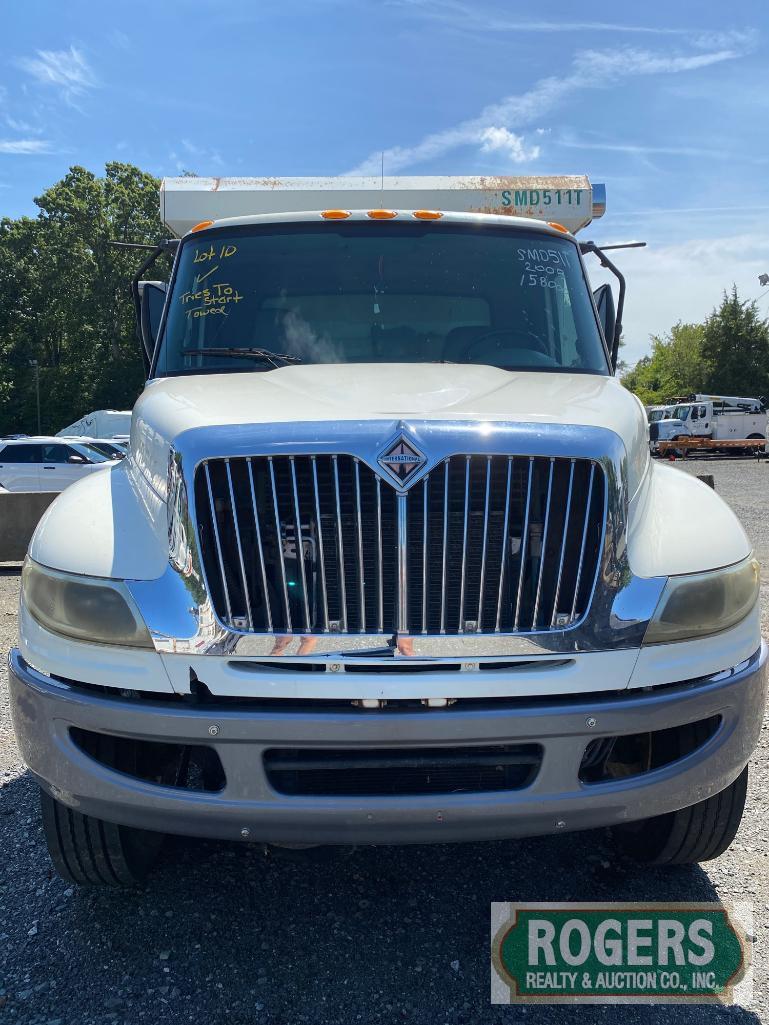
pixel 616 953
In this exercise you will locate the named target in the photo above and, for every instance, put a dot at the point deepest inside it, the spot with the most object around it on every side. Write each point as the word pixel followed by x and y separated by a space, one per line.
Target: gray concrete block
pixel 20 513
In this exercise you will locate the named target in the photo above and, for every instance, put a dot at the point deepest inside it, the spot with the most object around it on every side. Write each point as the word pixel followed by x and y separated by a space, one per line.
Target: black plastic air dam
pixel 398 771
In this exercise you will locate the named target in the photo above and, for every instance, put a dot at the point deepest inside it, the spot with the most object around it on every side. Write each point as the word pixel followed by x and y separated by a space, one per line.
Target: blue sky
pixel 667 103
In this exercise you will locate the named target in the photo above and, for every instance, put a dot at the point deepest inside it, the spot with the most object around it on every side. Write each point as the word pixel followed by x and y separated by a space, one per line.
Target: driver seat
pixel 459 338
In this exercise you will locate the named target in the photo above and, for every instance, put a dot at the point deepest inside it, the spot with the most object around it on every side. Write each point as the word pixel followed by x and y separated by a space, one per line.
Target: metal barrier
pixel 20 513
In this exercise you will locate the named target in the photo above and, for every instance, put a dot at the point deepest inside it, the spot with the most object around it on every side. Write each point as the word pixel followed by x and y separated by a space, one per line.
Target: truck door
pixel 700 421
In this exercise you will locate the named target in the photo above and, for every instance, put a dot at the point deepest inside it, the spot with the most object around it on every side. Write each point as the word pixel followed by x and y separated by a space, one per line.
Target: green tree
pixel 676 366
pixel 736 348
pixel 64 297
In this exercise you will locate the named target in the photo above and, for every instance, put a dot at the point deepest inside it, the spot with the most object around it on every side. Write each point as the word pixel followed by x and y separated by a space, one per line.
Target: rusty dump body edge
pixel 569 200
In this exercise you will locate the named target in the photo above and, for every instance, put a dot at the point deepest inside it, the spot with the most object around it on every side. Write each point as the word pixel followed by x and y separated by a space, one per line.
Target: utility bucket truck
pixel 388 560
pixel 712 423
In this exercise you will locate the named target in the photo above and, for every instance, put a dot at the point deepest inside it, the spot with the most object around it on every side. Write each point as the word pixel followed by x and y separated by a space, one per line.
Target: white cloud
pixel 501 140
pixel 638 149
pixel 20 147
pixel 591 69
pixel 119 40
pixel 201 158
pixel 611 64
pixel 65 70
pixel 17 125
pixel 456 14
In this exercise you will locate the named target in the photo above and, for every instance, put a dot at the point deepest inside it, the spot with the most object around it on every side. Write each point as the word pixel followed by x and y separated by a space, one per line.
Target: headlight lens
pixel 704 603
pixel 86 608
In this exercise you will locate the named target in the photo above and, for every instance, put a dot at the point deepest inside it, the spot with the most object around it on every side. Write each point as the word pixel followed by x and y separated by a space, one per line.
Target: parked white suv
pixel 46 464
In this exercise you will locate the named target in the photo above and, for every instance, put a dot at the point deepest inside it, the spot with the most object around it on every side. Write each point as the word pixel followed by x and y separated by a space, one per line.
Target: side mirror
pixel 77 459
pixel 607 314
pixel 153 298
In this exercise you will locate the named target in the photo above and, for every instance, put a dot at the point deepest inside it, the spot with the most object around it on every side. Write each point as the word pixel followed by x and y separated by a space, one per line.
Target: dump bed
pixel 569 200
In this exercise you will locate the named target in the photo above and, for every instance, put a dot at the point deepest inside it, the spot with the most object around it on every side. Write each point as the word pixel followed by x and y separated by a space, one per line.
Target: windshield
pixel 681 412
pixel 379 293
pixel 90 453
pixel 107 449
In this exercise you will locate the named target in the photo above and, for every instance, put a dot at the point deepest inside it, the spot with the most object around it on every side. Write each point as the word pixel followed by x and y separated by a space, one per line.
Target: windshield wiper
pixel 277 359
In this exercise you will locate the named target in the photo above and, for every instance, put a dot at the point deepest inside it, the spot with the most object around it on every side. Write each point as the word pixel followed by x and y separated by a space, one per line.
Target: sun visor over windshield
pixel 569 200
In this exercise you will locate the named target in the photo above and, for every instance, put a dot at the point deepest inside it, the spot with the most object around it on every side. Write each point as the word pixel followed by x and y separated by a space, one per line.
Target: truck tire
pixel 701 832
pixel 90 852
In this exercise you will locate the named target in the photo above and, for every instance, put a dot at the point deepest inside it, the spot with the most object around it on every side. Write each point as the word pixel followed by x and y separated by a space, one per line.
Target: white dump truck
pixel 388 560
pixel 712 423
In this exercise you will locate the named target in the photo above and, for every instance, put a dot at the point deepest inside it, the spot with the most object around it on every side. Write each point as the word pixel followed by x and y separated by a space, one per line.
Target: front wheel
pixel 701 832
pixel 90 852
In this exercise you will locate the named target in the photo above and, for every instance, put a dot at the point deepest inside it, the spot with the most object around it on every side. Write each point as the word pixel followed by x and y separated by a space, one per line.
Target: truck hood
pixel 326 392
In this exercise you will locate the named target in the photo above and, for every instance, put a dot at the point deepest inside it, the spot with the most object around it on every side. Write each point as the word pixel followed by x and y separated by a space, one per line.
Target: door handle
pixel 49 467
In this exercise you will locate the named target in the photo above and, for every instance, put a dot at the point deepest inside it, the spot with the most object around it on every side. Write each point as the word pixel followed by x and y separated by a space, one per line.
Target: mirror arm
pixel 165 246
pixel 603 259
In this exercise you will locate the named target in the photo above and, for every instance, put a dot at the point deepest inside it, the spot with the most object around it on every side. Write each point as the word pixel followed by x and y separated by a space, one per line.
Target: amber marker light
pixel 382 215
pixel 428 215
pixel 558 227
pixel 334 215
pixel 201 225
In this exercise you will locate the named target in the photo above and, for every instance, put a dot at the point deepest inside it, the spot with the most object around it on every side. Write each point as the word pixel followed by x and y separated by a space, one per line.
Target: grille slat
pixel 259 546
pixel 522 547
pixel 241 563
pixel 299 545
pixel 340 548
pixel 279 544
pixel 322 544
pixel 543 546
pixel 445 548
pixel 504 541
pixel 485 541
pixel 321 560
pixel 380 573
pixel 425 484
pixel 217 541
pixel 564 539
pixel 361 563
pixel 584 541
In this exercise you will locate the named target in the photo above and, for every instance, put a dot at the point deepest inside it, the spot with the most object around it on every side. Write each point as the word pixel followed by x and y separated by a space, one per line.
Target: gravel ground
pixel 223 933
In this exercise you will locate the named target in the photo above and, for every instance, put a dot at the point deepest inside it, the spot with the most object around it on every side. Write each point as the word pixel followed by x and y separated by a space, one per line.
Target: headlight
pixel 87 608
pixel 704 603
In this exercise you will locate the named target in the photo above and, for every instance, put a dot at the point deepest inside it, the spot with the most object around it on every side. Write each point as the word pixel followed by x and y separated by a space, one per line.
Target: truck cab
pixel 388 560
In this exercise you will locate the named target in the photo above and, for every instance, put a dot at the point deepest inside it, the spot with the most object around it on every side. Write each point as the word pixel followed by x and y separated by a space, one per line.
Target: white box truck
pixel 388 560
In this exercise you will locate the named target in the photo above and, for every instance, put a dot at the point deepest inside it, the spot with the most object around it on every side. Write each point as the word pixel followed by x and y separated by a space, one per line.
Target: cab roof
pixel 401 216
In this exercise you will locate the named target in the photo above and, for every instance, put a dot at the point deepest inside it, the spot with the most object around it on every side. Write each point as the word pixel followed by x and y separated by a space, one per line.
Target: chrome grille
pixel 324 544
